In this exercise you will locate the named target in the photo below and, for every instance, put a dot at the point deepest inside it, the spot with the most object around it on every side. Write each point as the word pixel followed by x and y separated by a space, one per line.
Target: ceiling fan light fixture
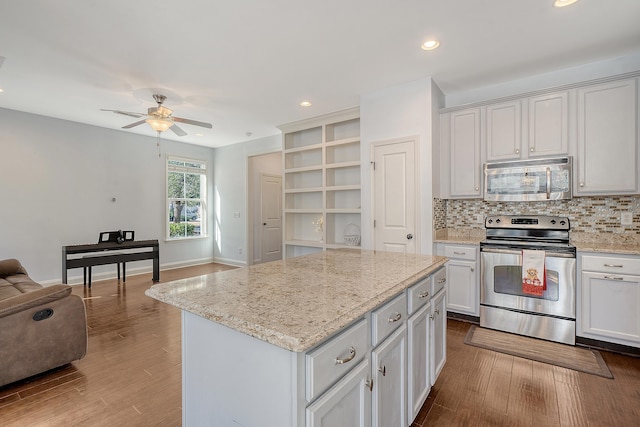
pixel 159 124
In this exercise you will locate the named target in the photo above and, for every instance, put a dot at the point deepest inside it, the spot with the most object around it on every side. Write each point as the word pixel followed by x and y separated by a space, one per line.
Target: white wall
pixel 231 189
pixel 401 111
pixel 57 179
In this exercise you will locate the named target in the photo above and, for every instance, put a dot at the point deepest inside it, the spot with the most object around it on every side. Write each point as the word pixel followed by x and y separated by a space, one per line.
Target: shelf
pixel 341 246
pixel 342 130
pixel 321 158
pixel 302 149
pixel 303 138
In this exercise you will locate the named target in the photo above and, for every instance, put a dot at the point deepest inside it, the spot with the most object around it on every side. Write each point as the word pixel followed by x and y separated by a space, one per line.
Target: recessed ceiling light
pixel 199 134
pixel 305 104
pixel 1 90
pixel 563 3
pixel 430 44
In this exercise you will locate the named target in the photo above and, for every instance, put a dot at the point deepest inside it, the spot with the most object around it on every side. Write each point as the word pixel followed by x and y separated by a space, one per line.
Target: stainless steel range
pixel 507 302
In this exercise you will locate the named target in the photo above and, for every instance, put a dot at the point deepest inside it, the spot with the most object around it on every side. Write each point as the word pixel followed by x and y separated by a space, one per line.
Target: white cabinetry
pixel 537 126
pixel 321 181
pixel 438 335
pixel 503 128
pixel 347 404
pixel 609 299
pixel 419 371
pixel 607 158
pixel 460 153
pixel 389 361
pixel 548 123
pixel 463 295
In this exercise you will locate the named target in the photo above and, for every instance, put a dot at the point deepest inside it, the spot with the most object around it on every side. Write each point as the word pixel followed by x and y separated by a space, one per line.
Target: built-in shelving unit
pixel 321 158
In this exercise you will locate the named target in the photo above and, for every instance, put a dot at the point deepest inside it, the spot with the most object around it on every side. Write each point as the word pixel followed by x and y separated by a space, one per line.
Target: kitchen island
pixel 251 336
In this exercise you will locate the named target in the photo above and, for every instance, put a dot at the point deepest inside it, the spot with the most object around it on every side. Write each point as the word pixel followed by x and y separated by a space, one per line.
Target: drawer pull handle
pixel 613 278
pixel 443 280
pixel 369 384
pixel 383 370
pixel 423 295
pixel 395 317
pixel 349 358
pixel 459 253
pixel 614 265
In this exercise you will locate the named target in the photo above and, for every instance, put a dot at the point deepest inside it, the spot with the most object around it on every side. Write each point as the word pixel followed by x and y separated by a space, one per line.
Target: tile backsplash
pixel 587 214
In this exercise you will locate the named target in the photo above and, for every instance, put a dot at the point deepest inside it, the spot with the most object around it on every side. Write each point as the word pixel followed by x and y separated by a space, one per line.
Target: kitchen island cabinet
pixel 291 343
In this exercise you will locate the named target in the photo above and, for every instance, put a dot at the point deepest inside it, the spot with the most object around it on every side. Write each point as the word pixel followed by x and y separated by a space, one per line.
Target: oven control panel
pixel 544 222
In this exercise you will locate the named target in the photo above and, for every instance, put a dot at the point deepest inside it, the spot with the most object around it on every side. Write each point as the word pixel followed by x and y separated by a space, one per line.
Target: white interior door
pixel 271 217
pixel 394 196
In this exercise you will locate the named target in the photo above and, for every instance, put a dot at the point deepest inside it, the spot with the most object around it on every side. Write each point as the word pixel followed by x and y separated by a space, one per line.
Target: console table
pixel 134 251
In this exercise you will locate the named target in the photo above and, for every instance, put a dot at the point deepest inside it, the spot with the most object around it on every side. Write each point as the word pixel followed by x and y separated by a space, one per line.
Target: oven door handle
pixel 519 252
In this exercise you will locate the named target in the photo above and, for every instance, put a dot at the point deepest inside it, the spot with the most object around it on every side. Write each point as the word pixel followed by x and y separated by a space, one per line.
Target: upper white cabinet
pixel 597 123
pixel 537 126
pixel 503 130
pixel 607 158
pixel 321 182
pixel 460 154
pixel 548 123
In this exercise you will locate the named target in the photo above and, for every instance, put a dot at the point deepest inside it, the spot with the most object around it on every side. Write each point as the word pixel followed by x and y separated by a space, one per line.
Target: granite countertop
pixel 623 244
pixel 298 302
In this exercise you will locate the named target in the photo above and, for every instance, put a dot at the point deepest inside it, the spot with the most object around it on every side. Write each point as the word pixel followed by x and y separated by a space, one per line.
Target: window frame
pixel 202 200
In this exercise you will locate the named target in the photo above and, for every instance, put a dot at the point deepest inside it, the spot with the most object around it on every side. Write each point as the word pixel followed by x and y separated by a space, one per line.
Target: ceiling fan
pixel 160 118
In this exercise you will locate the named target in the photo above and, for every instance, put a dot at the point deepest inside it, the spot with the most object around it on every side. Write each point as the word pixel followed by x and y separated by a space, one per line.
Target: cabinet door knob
pixel 437 311
pixel 409 236
pixel 369 384
pixel 581 184
pixel 517 151
pixel 532 149
pixel 349 358
pixel 383 370
pixel 477 188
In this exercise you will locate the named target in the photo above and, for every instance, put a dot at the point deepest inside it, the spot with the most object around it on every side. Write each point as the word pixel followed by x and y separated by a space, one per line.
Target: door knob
pixel 409 236
pixel 264 223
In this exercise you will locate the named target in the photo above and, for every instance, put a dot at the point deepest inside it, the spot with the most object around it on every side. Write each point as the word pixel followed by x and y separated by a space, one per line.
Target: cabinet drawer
pixel 606 264
pixel 438 281
pixel 460 252
pixel 418 295
pixel 333 359
pixel 388 317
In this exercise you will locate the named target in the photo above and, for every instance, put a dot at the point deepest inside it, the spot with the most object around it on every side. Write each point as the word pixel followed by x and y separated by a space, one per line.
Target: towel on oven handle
pixel 533 272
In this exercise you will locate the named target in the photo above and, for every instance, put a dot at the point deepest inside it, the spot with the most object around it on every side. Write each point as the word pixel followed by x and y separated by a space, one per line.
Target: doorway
pixel 264 205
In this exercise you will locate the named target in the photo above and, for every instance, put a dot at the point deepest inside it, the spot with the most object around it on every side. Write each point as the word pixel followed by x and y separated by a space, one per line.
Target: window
pixel 186 198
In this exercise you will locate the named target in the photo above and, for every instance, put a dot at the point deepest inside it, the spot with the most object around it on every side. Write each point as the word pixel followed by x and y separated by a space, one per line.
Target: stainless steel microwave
pixel 528 180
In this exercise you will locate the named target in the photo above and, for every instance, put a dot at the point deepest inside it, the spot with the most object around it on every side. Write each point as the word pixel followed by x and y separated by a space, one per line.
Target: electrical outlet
pixel 626 218
pixel 236 214
pixel 239 251
pixel 480 218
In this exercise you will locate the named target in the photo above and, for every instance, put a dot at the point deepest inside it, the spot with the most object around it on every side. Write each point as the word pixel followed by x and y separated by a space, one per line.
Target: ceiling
pixel 245 65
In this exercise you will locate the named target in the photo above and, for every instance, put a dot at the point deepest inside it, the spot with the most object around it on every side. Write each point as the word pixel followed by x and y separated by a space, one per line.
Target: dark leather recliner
pixel 41 328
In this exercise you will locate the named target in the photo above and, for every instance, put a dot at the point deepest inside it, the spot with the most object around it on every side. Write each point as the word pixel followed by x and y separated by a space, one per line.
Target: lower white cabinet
pixel 389 362
pixel 463 295
pixel 438 335
pixel 347 404
pixel 390 382
pixel 419 371
pixel 609 299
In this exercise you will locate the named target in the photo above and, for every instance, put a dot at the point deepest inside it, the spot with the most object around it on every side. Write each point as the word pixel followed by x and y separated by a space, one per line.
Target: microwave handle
pixel 548 183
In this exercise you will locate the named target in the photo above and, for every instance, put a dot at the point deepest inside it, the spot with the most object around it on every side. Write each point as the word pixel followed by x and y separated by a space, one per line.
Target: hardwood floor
pixel 131 376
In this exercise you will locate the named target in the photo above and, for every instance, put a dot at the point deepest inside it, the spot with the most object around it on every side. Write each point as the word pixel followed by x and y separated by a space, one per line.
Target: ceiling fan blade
pixel 133 124
pixel 177 130
pixel 126 113
pixel 192 122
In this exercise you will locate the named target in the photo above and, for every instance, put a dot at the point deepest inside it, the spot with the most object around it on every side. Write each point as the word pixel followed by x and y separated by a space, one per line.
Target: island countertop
pixel 298 302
